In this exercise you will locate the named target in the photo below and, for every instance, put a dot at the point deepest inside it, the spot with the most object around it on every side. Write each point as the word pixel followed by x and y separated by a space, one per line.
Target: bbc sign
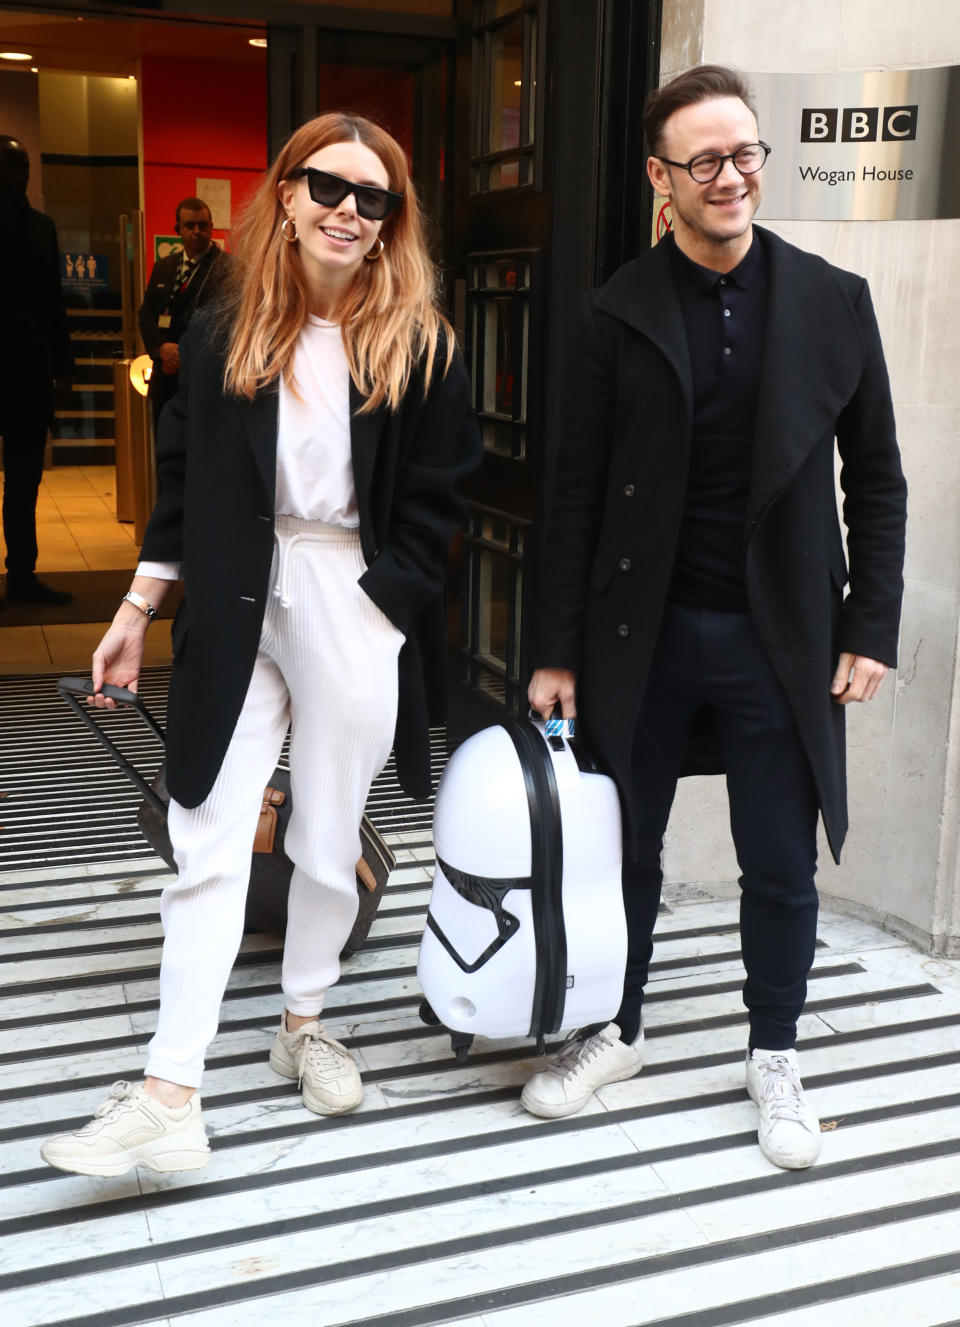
pixel 858 124
pixel 881 145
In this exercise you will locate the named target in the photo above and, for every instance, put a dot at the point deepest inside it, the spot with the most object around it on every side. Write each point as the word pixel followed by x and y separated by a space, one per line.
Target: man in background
pixel 35 356
pixel 178 285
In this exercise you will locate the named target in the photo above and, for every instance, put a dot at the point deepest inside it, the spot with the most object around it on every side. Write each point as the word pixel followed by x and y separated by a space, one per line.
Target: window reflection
pixel 505 88
pixel 505 332
pixel 494 543
pixel 500 287
pixel 506 84
pixel 494 607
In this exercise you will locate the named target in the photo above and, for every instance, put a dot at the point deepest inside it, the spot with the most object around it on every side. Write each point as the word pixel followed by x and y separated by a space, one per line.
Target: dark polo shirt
pixel 725 317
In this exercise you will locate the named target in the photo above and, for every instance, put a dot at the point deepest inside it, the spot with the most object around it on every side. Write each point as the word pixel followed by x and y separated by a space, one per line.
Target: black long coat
pixel 217 463
pixel 620 487
pixel 34 334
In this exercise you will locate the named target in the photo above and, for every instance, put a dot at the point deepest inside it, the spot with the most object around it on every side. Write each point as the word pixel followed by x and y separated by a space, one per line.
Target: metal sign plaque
pixel 880 146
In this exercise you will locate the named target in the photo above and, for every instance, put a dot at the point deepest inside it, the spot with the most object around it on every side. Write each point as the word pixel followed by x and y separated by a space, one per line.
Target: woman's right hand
pixel 118 657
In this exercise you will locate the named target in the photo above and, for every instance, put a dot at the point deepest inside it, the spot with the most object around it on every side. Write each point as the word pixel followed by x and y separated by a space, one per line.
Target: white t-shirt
pixel 314 466
pixel 314 469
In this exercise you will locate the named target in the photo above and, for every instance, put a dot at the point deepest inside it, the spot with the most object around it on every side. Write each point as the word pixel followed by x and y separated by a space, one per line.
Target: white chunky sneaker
pixel 325 1070
pixel 132 1129
pixel 583 1064
pixel 789 1133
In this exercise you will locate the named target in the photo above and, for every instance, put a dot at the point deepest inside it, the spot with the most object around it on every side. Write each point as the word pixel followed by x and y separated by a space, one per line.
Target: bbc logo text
pixel 858 124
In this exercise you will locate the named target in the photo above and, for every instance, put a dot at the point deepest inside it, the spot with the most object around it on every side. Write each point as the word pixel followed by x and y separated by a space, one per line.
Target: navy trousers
pixel 718 659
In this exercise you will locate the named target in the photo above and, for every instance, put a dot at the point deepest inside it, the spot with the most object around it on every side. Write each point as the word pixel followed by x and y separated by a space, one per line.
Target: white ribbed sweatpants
pixel 327 666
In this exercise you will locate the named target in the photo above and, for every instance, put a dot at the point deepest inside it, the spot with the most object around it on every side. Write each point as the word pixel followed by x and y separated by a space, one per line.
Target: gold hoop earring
pixel 372 257
pixel 289 221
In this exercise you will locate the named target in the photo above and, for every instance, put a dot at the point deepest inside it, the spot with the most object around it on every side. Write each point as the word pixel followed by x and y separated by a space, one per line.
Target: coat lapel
pixel 261 417
pixel 365 431
pixel 187 296
pixel 809 369
pixel 643 295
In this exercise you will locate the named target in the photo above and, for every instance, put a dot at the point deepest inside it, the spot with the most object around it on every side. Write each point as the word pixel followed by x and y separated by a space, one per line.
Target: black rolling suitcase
pixel 270 868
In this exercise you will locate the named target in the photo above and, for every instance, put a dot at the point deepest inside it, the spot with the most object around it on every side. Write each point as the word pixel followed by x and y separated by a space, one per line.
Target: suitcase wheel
pixel 460 1043
pixel 426 1014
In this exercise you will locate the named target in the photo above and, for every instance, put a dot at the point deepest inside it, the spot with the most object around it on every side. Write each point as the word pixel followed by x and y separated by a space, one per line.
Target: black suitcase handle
pixel 72 687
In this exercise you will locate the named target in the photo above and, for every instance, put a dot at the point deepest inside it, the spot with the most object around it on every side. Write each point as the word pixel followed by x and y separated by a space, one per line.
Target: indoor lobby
pixel 84 549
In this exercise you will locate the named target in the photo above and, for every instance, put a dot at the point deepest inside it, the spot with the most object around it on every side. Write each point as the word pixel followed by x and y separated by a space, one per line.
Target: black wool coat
pixel 216 457
pixel 620 487
pixel 34 333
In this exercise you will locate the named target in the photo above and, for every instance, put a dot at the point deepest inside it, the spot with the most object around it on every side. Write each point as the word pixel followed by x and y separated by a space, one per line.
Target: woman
pixel 307 499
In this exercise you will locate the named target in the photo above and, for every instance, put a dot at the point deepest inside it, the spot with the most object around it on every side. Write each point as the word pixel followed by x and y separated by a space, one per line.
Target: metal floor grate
pixel 64 802
pixel 440 1201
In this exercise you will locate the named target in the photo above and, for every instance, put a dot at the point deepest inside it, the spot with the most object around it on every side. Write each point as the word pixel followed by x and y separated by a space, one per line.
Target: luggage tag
pixel 556 729
pixel 560 735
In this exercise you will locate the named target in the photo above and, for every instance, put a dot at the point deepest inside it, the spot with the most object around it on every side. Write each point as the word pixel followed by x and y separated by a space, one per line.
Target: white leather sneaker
pixel 583 1064
pixel 789 1133
pixel 326 1071
pixel 132 1129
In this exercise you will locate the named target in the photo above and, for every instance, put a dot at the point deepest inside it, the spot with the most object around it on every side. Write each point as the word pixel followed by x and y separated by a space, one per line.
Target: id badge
pixel 164 320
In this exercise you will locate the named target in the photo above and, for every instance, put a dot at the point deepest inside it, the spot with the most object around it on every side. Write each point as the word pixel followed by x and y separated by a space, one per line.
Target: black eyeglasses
pixel 330 190
pixel 706 166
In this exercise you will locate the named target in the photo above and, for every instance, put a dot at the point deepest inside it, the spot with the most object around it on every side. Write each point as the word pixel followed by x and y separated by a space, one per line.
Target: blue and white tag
pixel 558 728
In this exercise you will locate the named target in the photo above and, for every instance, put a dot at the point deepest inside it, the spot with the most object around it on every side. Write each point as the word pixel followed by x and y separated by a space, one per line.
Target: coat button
pixel 623 629
pixel 625 564
pixel 628 490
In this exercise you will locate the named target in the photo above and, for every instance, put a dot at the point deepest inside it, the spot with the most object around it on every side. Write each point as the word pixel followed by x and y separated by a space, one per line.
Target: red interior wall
pixel 200 119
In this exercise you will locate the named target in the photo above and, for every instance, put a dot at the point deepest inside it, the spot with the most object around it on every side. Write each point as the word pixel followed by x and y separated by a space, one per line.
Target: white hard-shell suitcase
pixel 525 934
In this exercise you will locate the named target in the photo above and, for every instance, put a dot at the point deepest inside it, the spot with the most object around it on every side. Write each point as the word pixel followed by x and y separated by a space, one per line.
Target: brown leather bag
pixel 266 913
pixel 267 824
pixel 270 867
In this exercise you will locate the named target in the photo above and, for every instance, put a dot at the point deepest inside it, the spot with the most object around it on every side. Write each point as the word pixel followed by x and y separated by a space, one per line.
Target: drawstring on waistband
pixel 292 530
pixel 283 562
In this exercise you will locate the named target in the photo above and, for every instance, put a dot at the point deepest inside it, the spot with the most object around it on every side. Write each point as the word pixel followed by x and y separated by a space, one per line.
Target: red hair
pixel 389 319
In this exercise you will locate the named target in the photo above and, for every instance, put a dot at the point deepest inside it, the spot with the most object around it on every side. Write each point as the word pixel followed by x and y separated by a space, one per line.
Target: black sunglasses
pixel 330 190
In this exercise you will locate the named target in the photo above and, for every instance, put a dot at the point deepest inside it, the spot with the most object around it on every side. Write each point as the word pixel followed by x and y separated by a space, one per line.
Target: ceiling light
pixel 34 69
pixel 15 55
pixel 257 41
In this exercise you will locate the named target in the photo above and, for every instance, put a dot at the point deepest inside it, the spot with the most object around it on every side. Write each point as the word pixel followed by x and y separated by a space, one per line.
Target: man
pixel 694 569
pixel 35 356
pixel 178 285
